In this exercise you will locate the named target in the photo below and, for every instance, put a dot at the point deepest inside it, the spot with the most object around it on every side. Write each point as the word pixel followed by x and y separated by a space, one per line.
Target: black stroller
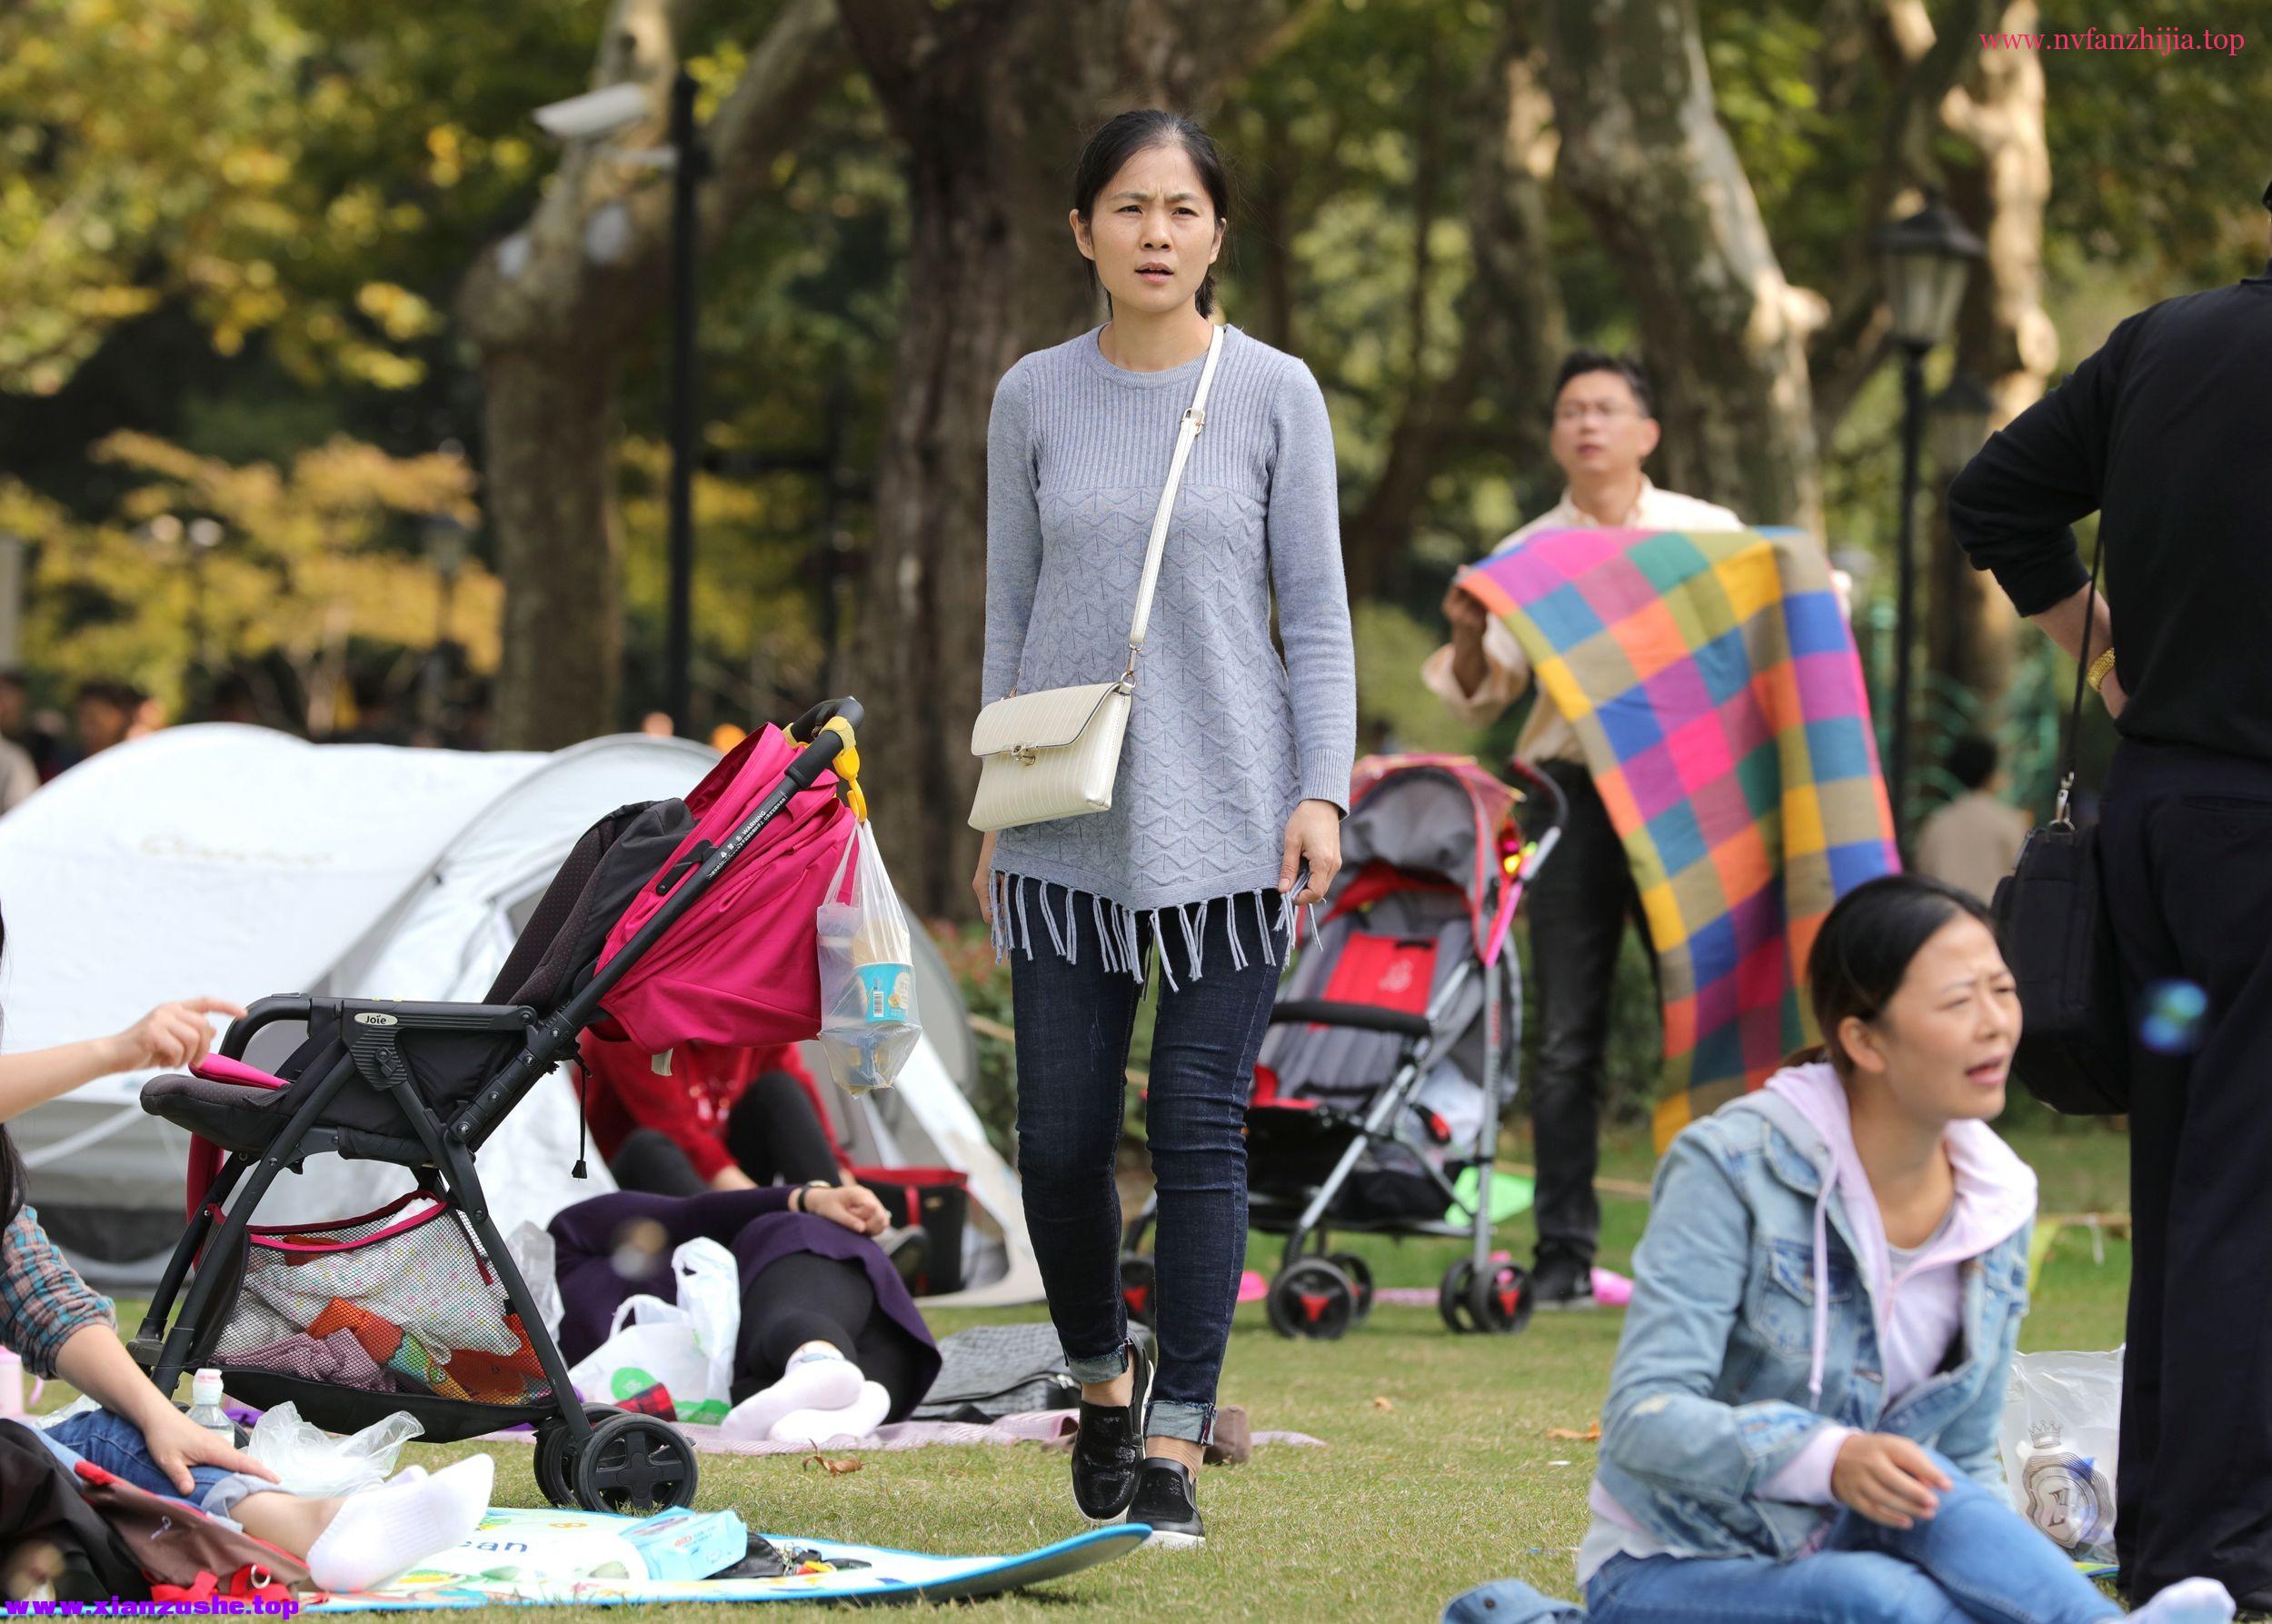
pixel 1379 1090
pixel 418 1306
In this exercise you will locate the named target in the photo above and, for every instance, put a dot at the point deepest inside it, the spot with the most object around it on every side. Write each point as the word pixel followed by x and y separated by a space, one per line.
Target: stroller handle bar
pixel 556 1034
pixel 807 727
pixel 266 1011
pixel 1368 1017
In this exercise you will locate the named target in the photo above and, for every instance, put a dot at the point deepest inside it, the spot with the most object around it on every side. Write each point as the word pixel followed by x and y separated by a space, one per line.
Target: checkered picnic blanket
pixel 1715 686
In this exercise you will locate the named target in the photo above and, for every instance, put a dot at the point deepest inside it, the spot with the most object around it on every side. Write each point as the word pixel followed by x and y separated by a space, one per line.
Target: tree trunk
pixel 553 307
pixel 1725 335
pixel 1920 66
pixel 549 420
pixel 2004 337
pixel 1271 236
pixel 1511 318
pixel 993 100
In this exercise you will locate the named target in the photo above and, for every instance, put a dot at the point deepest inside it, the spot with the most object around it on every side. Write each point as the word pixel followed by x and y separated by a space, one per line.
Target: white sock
pixel 819 1377
pixel 383 1531
pixel 409 1474
pixel 2189 1601
pixel 862 1416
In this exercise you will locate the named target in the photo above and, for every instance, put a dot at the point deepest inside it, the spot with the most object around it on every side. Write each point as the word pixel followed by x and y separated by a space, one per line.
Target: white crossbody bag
pixel 1054 754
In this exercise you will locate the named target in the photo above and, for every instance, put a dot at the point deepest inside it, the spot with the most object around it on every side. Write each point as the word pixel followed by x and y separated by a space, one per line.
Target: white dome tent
pixel 239 861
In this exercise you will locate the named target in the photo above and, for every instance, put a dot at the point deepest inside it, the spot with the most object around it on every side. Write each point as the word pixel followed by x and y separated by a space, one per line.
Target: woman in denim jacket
pixel 1802 1419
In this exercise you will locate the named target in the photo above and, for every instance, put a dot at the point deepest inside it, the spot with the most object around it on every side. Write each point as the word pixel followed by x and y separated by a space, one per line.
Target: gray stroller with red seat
pixel 1392 1050
pixel 418 1306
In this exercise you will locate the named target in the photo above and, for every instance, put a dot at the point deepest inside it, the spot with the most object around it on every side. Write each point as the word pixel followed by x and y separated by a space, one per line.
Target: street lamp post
pixel 688 160
pixel 1926 259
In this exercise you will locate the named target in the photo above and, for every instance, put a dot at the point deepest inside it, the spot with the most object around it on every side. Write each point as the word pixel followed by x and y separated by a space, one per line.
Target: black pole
pixel 685 175
pixel 1905 600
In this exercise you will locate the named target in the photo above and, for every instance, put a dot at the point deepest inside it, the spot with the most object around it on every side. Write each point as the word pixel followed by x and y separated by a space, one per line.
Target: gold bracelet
pixel 2100 667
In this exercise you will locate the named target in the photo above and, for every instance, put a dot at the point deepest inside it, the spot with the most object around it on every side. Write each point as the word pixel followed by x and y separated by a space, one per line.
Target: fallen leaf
pixel 1381 1402
pixel 1563 1434
pixel 835 1469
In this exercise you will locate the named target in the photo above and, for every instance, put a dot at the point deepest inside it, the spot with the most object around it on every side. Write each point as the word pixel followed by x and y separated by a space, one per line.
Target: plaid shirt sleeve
pixel 43 1300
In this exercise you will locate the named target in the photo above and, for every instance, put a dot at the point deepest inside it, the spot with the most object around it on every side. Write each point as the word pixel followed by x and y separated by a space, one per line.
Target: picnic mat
pixel 1714 684
pixel 1052 1429
pixel 556 1558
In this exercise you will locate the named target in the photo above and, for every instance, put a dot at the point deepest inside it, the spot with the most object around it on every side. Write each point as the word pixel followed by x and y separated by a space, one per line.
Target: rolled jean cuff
pixel 1176 1418
pixel 1103 1367
pixel 221 1498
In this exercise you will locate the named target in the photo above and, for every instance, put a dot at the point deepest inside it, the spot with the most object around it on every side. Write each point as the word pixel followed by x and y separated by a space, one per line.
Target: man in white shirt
pixel 1603 432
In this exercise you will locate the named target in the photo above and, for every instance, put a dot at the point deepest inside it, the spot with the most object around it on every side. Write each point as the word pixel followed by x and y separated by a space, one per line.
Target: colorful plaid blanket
pixel 1715 686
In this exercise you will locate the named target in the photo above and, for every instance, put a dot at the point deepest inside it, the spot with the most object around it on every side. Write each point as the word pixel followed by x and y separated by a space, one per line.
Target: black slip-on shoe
pixel 1109 1447
pixel 1559 1283
pixel 1167 1502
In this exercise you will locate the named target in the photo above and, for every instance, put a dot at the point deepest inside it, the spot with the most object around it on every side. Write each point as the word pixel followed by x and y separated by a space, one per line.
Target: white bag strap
pixel 1194 420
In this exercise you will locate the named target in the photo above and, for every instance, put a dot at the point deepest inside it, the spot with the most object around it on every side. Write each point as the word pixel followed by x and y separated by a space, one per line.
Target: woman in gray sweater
pixel 1226 813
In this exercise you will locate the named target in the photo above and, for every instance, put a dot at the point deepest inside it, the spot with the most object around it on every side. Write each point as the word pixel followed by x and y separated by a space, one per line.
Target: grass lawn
pixel 1438 1474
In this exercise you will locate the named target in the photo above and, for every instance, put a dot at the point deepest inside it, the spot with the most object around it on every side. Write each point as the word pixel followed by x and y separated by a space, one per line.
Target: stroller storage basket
pixel 394 1310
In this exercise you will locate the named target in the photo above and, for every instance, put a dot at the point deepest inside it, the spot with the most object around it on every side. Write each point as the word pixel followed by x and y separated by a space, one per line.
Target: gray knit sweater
pixel 1223 738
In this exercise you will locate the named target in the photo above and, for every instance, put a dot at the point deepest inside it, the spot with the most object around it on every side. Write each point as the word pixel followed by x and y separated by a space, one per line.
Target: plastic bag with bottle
pixel 869 1025
pixel 2060 1428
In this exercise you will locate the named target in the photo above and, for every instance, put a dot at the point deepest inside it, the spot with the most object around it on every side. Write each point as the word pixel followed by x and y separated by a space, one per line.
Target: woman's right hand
pixel 982 886
pixel 1887 1479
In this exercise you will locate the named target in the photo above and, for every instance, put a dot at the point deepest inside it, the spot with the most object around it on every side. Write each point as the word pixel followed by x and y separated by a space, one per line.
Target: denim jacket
pixel 1711 1397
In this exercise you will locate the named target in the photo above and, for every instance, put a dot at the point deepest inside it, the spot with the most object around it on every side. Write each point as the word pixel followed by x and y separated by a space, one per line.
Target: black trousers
pixel 1577 907
pixel 805 1298
pixel 2186 857
pixel 773 1133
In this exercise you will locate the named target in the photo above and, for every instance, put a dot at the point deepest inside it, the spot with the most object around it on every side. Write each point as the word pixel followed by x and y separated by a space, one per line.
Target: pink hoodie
pixel 1917 1309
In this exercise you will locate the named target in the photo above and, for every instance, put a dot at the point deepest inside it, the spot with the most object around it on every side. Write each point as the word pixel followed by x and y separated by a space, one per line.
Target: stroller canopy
pixel 1437 816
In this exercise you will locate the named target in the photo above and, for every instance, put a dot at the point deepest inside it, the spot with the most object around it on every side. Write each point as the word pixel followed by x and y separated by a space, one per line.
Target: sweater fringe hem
pixel 1124 943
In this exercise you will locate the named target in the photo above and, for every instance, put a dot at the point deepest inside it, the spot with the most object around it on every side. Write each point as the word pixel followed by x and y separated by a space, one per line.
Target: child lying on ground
pixel 62 1328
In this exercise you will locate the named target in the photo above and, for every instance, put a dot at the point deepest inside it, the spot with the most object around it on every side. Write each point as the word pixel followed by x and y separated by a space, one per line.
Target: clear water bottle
pixel 205 1407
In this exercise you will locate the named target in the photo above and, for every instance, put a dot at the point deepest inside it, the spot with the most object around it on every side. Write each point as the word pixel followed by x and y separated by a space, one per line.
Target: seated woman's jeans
pixel 115 1444
pixel 1974 1561
pixel 1074 1018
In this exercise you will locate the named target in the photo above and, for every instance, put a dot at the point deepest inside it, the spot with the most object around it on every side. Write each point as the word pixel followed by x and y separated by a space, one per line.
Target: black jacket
pixel 2167 432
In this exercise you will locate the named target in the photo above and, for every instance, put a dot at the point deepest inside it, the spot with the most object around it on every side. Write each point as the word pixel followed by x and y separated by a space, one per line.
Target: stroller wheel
pixel 634 1464
pixel 1136 1289
pixel 1451 1297
pixel 1500 1300
pixel 556 1455
pixel 1313 1301
pixel 1359 1278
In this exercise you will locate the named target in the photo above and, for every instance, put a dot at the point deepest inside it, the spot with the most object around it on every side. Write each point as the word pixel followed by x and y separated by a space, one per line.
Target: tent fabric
pixel 241 863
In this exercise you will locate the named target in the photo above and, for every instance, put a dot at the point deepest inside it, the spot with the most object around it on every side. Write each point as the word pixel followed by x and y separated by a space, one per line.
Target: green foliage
pixel 205 560
pixel 317 173
pixel 985 987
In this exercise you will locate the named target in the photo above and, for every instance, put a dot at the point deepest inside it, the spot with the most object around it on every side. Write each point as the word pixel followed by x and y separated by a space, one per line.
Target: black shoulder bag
pixel 2051 919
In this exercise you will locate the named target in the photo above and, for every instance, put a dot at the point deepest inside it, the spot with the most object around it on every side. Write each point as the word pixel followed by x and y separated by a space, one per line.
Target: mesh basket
pixel 400 1300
